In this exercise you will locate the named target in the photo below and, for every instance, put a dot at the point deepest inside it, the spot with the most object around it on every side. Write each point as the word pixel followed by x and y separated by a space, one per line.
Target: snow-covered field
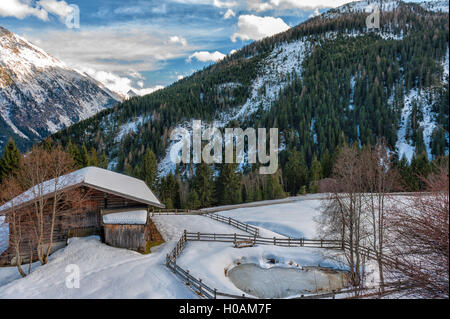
pixel 294 220
pixel 107 272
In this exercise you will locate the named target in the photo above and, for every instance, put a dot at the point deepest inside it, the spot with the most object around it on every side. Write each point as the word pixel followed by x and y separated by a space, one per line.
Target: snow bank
pixel 137 217
pixel 105 272
pixel 292 219
pixel 171 226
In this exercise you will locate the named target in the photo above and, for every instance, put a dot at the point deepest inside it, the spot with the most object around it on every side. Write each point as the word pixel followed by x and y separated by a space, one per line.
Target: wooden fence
pixel 174 211
pixel 285 242
pixel 235 223
pixel 227 220
pixel 205 291
pixel 196 284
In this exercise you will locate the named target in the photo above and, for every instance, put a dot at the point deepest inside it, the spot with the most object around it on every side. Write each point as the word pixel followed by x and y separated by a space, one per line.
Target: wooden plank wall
pixel 126 236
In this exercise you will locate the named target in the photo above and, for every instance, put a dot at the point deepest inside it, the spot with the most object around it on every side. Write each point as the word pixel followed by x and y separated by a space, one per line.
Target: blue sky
pixel 149 44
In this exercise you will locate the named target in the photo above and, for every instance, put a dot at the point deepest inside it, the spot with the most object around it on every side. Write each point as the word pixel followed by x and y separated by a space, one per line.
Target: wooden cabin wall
pixel 126 236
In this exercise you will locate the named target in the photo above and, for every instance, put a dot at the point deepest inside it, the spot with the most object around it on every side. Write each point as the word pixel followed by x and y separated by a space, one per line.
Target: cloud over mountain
pixel 252 27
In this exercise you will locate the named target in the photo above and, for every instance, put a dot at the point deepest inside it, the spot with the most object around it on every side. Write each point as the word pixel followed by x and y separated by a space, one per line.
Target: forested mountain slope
pixel 324 82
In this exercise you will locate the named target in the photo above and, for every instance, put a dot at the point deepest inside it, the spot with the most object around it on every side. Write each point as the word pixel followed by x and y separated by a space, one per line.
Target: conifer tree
pixel 315 175
pixel 84 157
pixel 74 151
pixel 296 172
pixel 228 185
pixel 149 168
pixel 93 158
pixel 203 184
pixel 9 163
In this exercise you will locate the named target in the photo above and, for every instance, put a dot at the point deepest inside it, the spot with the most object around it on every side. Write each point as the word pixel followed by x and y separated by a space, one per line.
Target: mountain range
pixel 40 95
pixel 327 81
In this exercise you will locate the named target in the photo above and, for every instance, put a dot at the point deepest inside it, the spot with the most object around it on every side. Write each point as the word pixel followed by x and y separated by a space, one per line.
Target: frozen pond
pixel 282 282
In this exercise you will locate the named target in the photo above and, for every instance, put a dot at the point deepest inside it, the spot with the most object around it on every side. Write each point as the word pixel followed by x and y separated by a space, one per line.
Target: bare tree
pixel 343 213
pixel 42 172
pixel 420 225
pixel 380 179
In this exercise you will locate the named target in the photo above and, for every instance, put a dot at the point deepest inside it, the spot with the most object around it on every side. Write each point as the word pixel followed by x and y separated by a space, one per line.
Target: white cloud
pixel 315 13
pixel 224 4
pixel 41 9
pixel 119 84
pixel 59 8
pixel 205 56
pixel 260 6
pixel 255 28
pixel 177 39
pixel 19 9
pixel 180 77
pixel 230 13
pixel 148 90
pixel 233 52
pixel 123 48
pixel 125 52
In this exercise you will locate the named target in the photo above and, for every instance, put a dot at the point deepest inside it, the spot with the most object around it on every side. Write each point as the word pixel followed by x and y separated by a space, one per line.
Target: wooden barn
pixel 104 203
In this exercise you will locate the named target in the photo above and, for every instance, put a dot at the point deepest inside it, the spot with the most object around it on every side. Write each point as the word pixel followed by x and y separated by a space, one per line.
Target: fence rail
pixel 286 242
pixel 235 223
pixel 226 220
pixel 169 211
pixel 205 291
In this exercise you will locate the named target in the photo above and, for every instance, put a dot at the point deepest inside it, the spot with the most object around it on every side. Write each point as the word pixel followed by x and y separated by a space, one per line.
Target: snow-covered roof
pixel 136 217
pixel 96 178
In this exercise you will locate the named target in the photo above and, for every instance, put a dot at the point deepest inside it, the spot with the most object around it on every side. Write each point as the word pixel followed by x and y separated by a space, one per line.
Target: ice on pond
pixel 282 282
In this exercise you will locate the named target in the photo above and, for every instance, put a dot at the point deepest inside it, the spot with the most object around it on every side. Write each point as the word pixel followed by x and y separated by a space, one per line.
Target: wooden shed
pixel 106 192
pixel 130 228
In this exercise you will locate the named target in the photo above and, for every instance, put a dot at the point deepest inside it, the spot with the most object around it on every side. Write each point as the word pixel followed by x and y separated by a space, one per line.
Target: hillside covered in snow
pixel 40 95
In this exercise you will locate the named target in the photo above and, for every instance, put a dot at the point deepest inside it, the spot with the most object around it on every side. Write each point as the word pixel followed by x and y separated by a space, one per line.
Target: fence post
pixel 246 227
pixel 235 239
pixel 289 241
pixel 200 286
pixel 215 293
pixel 198 235
pixel 321 243
pixel 333 294
pixel 229 220
pixel 188 280
pixel 274 241
pixel 185 235
pixel 214 236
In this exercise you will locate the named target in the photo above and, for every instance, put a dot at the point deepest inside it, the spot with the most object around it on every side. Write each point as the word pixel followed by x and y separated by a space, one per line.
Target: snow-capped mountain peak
pixel 40 94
